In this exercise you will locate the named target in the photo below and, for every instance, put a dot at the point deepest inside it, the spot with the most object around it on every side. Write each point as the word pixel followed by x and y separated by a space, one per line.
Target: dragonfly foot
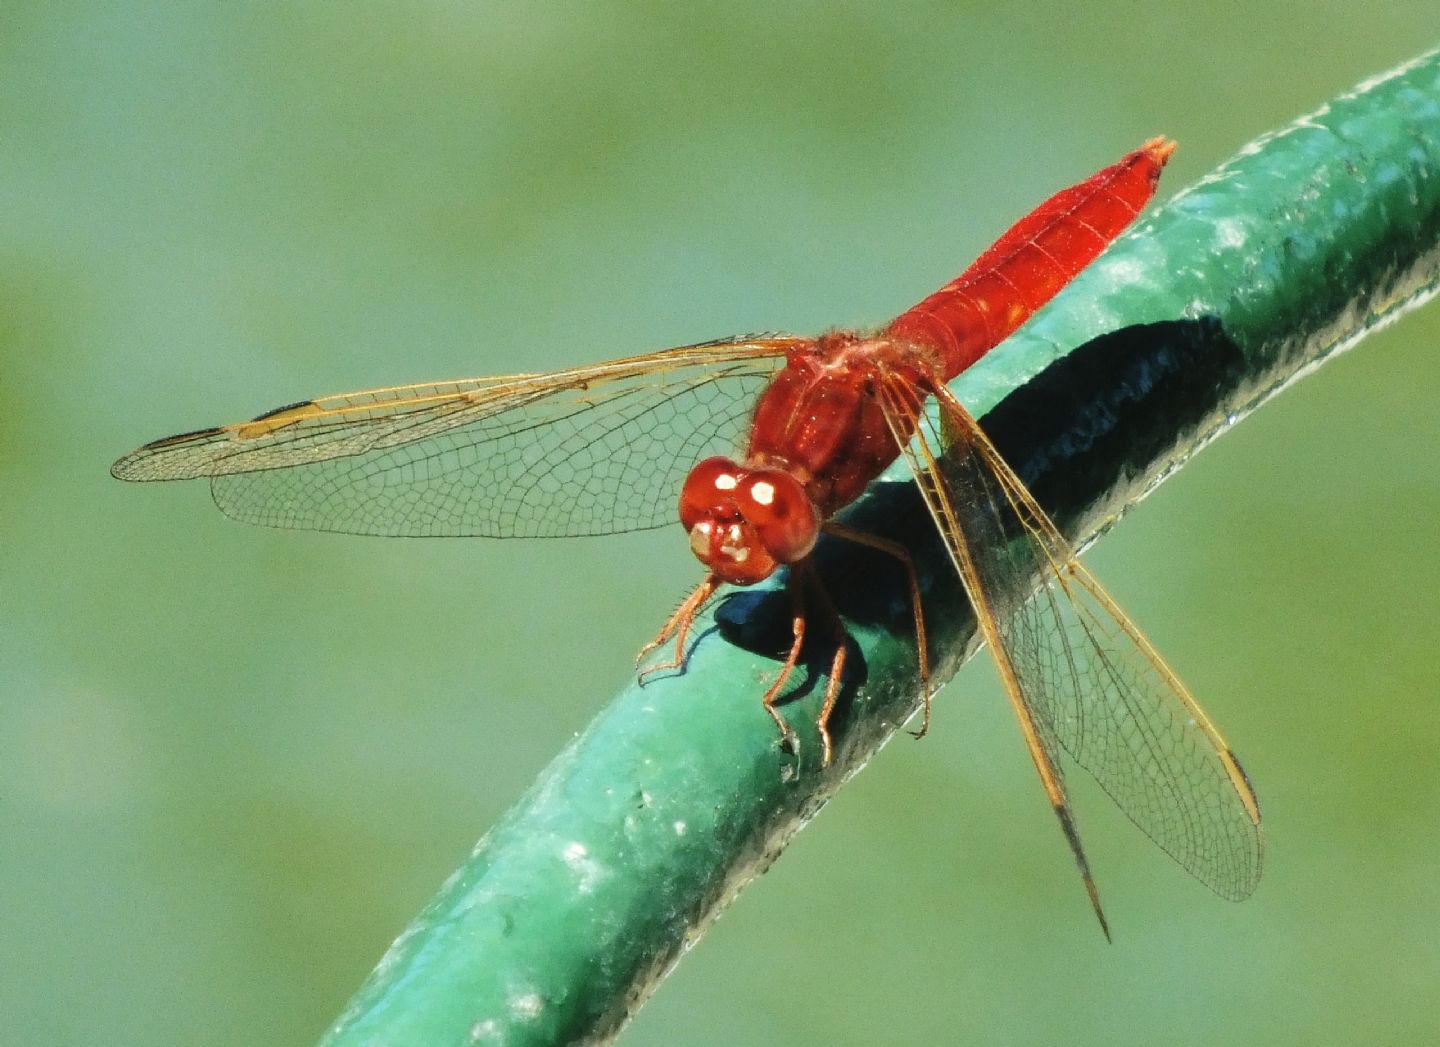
pixel 925 719
pixel 641 675
pixel 827 749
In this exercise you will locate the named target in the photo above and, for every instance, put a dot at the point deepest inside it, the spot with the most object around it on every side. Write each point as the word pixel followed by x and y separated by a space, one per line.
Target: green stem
pixel 572 908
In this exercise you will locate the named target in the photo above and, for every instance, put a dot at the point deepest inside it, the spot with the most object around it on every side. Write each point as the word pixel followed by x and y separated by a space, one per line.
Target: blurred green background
pixel 234 762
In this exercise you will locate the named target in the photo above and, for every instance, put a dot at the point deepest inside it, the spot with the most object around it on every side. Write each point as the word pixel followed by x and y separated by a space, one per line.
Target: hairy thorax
pixel 822 418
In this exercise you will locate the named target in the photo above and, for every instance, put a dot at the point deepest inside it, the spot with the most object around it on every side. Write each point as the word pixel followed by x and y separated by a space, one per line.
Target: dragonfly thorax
pixel 744 523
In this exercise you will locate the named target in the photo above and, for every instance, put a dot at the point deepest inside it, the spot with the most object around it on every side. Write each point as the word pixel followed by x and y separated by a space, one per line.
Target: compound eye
pixel 784 517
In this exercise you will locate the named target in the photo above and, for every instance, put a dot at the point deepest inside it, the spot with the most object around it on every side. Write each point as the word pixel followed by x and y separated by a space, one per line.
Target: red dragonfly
pixel 603 448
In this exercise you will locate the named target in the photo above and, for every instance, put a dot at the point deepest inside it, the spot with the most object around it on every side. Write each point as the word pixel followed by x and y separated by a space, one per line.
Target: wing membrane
pixel 592 450
pixel 1078 668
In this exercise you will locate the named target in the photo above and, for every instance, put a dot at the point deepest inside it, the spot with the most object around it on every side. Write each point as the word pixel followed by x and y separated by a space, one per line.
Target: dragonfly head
pixel 744 523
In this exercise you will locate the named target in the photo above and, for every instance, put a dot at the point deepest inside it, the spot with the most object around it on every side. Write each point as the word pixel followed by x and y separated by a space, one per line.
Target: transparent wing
pixel 593 450
pixel 1074 663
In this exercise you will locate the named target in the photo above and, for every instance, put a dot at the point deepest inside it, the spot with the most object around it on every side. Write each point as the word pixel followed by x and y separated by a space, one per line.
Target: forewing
pixel 593 450
pixel 1089 679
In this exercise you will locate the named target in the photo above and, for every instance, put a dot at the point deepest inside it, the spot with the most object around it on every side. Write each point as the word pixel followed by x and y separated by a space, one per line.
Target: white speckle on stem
pixel 484 1032
pixel 587 871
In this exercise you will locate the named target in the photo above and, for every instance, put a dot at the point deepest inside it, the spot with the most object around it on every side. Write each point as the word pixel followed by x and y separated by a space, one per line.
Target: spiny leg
pixel 678 626
pixel 832 695
pixel 899 552
pixel 797 627
pixel 841 638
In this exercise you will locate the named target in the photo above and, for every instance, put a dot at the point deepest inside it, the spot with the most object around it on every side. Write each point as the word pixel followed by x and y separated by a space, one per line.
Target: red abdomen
pixel 1025 268
pixel 819 418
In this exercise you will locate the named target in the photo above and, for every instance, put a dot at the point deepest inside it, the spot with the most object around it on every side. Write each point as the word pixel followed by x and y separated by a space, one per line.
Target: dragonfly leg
pixel 678 626
pixel 832 694
pixel 840 636
pixel 899 552
pixel 772 695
